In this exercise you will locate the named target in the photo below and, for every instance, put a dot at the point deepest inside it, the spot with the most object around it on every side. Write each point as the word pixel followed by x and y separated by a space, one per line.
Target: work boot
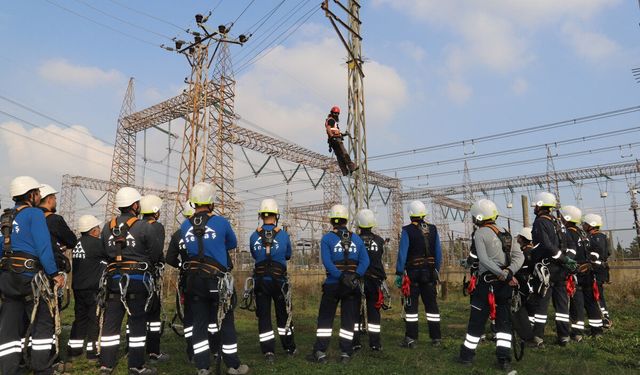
pixel 240 370
pixel 408 343
pixel 606 322
pixel 344 358
pixel 504 365
pixel 291 352
pixel 467 362
pixel 436 342
pixel 577 338
pixel 352 167
pixel 204 371
pixel 563 341
pixel 104 370
pixel 142 371
pixel 376 348
pixel 317 357
pixel 535 342
pixel 269 357
pixel 155 358
pixel 357 347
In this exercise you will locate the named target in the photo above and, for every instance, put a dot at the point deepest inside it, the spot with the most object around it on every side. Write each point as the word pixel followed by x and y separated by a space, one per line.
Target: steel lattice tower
pixel 219 159
pixel 195 128
pixel 123 165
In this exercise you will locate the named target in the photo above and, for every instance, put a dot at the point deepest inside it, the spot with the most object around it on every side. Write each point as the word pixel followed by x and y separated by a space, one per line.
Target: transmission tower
pixel 207 154
pixel 123 165
pixel 357 147
pixel 552 176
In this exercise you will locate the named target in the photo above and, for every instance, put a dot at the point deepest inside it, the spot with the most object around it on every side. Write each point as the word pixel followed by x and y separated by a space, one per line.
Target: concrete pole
pixel 525 210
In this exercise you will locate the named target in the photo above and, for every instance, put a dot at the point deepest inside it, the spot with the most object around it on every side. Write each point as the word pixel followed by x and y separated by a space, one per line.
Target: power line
pixel 513 150
pixel 258 57
pixel 102 24
pixel 241 13
pixel 511 133
pixel 123 20
pixel 522 162
pixel 149 15
pixel 264 18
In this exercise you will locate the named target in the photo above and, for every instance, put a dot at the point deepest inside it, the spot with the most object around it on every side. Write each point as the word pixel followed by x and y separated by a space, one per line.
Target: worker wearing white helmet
pixel 498 262
pixel 87 269
pixel 208 239
pixel 176 256
pixel 373 282
pixel 549 241
pixel 62 237
pixel 599 255
pixel 523 319
pixel 418 265
pixel 25 245
pixel 270 247
pixel 346 260
pixel 132 249
pixel 150 208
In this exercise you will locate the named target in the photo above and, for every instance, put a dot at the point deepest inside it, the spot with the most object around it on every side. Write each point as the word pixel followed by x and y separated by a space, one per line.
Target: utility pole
pixel 206 155
pixel 552 176
pixel 357 146
pixel 633 190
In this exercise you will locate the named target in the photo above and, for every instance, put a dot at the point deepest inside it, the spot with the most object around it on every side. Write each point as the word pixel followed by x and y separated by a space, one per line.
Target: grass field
pixel 618 352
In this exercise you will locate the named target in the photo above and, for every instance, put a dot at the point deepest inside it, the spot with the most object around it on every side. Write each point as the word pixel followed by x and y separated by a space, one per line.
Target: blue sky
pixel 436 72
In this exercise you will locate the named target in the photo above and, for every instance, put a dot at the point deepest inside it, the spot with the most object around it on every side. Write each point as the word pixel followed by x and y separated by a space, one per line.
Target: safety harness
pixel 17 262
pixel 268 267
pixel 427 259
pixel 202 265
pixel 346 264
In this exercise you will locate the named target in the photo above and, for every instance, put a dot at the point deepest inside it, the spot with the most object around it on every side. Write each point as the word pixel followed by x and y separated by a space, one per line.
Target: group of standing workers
pixel 118 269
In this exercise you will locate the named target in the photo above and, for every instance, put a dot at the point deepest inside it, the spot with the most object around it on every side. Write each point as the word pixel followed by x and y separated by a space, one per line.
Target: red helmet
pixel 335 109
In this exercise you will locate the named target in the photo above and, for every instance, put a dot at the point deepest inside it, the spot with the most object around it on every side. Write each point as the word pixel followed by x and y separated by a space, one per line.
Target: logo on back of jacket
pixel 338 248
pixel 258 245
pixel 78 252
pixel 373 247
pixel 209 234
pixel 131 242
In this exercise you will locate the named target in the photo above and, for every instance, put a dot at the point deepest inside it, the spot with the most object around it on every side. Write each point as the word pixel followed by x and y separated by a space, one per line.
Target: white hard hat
pixel 22 184
pixel 544 199
pixel 187 210
pixel 46 190
pixel 202 193
pixel 571 214
pixel 484 209
pixel 366 218
pixel 127 196
pixel 417 209
pixel 150 204
pixel 339 211
pixel 526 233
pixel 593 220
pixel 268 206
pixel 88 222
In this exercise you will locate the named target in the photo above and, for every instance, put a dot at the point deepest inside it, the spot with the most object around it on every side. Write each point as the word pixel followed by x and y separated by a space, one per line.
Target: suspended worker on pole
pixel 336 142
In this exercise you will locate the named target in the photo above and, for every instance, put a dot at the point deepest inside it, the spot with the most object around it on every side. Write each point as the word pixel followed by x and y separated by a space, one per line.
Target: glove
pixel 507 275
pixel 350 280
pixel 570 264
pixel 398 281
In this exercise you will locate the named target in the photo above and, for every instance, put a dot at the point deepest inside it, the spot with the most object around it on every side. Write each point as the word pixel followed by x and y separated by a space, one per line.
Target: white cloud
pixel 59 151
pixel 65 72
pixel 290 90
pixel 519 86
pixel 498 34
pixel 591 45
pixel 458 91
pixel 412 50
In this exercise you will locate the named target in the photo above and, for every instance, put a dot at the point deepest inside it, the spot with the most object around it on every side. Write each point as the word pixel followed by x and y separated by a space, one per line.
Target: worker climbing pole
pixel 355 160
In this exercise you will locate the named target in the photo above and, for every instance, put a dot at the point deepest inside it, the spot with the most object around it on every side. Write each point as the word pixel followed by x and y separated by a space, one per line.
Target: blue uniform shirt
pixel 280 250
pixel 332 252
pixel 30 235
pixel 404 250
pixel 218 239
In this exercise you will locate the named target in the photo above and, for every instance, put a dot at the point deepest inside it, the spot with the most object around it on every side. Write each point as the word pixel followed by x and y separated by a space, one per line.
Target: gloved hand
pixel 570 264
pixel 350 280
pixel 507 275
pixel 398 281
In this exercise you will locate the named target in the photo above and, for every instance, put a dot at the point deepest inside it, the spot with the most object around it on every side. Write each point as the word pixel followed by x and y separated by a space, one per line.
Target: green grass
pixel 618 352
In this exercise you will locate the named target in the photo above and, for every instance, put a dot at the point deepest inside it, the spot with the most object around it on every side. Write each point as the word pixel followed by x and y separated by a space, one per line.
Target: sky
pixel 435 72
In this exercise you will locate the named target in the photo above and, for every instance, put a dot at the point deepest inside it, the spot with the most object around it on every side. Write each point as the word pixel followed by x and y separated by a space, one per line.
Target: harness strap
pixel 6 223
pixel 119 233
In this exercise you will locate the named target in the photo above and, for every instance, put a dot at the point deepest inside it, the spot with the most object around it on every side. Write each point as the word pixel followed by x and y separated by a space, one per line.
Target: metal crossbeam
pixel 570 175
